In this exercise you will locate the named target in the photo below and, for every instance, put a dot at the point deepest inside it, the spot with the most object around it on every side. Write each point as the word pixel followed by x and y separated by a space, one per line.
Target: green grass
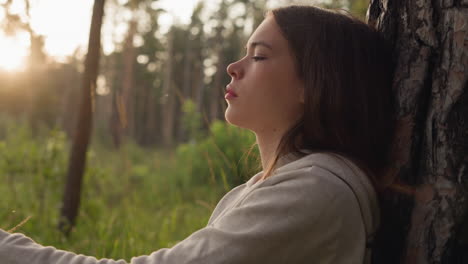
pixel 134 201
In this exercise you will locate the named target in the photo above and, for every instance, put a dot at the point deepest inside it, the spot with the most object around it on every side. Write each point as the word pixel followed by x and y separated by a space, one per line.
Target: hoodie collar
pixel 342 168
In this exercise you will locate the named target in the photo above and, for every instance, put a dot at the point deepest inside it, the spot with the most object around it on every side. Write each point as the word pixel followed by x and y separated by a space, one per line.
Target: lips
pixel 230 92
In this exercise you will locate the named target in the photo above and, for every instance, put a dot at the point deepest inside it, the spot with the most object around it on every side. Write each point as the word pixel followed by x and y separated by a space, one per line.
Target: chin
pixel 236 119
pixel 230 116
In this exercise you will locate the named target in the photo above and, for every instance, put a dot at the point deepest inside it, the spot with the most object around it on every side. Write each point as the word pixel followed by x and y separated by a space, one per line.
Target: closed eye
pixel 258 58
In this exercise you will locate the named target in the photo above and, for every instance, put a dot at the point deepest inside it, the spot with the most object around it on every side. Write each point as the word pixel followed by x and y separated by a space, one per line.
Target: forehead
pixel 269 32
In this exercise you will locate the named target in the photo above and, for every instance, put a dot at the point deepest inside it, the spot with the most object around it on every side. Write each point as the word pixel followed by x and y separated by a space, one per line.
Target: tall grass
pixel 134 201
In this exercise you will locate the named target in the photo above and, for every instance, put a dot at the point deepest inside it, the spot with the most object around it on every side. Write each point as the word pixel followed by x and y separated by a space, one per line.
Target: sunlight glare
pixel 2 12
pixel 13 51
pixel 65 25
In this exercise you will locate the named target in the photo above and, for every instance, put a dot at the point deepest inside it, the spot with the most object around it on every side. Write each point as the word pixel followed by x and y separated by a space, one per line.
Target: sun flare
pixel 68 30
pixel 13 52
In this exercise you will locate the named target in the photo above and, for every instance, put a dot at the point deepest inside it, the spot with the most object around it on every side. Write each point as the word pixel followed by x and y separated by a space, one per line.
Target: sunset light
pixel 67 28
pixel 13 52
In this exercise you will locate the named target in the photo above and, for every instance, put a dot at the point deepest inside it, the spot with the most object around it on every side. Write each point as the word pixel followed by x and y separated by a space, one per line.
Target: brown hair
pixel 347 71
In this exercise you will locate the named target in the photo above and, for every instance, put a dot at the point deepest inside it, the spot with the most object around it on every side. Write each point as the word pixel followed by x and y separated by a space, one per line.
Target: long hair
pixel 347 71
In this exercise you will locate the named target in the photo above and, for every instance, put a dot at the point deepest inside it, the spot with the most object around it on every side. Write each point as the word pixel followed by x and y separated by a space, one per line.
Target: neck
pixel 267 144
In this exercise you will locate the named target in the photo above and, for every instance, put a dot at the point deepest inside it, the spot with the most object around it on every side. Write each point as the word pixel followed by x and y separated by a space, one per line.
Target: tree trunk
pixel 168 95
pixel 186 87
pixel 77 162
pixel 150 124
pixel 216 95
pixel 199 92
pixel 128 91
pixel 427 220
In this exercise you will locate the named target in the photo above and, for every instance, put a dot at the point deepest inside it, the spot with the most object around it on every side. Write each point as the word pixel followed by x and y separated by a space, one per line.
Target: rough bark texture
pixel 426 221
pixel 77 162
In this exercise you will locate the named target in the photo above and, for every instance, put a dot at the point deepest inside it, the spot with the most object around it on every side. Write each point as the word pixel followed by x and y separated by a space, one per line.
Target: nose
pixel 234 70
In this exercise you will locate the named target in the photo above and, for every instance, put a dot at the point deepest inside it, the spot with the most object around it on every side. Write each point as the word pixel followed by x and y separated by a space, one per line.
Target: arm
pixel 294 221
pixel 19 249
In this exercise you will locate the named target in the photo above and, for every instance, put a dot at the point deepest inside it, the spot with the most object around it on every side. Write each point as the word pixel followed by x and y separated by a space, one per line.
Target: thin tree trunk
pixel 168 96
pixel 128 83
pixel 151 120
pixel 187 85
pixel 111 118
pixel 199 86
pixel 115 120
pixel 77 162
pixel 427 221
pixel 217 88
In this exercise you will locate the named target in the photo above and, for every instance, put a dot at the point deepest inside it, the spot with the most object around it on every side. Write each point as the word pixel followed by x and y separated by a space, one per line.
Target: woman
pixel 315 88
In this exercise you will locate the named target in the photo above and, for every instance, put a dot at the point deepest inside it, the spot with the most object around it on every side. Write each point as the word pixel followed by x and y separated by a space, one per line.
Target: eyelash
pixel 258 58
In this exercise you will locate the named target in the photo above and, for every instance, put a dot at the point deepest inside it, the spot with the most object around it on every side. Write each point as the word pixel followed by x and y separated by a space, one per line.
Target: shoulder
pixel 321 175
pixel 328 168
pixel 310 197
pixel 319 169
pixel 314 185
pixel 313 180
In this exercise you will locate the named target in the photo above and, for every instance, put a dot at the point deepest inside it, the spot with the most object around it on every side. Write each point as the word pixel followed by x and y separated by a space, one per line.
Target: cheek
pixel 270 99
pixel 282 97
pixel 245 110
pixel 252 110
pixel 269 105
pixel 281 89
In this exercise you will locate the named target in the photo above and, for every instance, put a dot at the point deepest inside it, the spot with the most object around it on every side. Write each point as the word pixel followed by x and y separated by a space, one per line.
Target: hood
pixel 347 171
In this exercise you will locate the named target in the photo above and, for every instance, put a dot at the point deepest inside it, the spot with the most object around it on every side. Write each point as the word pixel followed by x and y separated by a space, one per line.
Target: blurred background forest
pixel 161 155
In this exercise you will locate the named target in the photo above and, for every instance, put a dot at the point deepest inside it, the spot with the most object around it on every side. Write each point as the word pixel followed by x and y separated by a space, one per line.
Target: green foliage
pixel 357 8
pixel 31 170
pixel 219 159
pixel 192 120
pixel 134 200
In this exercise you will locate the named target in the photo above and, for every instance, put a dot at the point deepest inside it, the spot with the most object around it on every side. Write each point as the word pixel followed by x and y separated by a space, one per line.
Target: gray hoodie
pixel 315 209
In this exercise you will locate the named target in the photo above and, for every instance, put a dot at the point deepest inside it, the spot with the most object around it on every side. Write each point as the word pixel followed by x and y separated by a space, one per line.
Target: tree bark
pixel 77 162
pixel 426 221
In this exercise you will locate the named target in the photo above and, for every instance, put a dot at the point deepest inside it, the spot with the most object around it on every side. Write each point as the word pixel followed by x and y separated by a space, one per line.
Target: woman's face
pixel 269 91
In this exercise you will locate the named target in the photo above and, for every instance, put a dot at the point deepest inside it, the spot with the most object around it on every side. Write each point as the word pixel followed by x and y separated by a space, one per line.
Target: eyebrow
pixel 259 43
